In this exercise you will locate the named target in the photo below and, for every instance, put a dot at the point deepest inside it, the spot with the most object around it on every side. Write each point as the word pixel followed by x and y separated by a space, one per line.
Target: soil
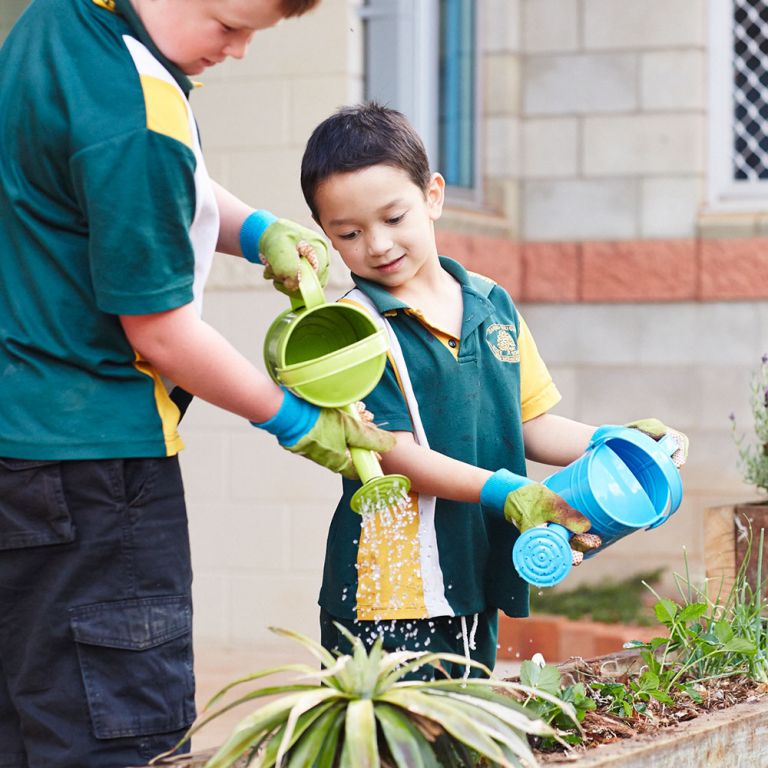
pixel 603 727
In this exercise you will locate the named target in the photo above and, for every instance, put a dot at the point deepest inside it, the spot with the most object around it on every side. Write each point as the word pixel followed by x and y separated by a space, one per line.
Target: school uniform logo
pixel 501 340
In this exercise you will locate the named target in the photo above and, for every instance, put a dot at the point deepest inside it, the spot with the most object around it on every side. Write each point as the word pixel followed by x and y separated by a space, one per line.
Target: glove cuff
pixel 293 420
pixel 499 485
pixel 254 226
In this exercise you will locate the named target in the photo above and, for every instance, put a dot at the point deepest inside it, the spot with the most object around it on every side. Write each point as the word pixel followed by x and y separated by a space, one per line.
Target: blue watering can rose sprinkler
pixel 624 482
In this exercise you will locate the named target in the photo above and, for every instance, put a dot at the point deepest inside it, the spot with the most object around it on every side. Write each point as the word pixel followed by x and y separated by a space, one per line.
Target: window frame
pixel 724 192
pixel 413 85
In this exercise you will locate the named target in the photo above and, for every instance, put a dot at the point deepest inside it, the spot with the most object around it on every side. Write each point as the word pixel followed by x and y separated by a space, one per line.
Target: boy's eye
pixel 396 219
pixel 226 28
pixel 348 236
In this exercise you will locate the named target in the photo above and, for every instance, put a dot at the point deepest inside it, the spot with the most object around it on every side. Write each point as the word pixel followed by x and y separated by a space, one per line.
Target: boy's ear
pixel 435 196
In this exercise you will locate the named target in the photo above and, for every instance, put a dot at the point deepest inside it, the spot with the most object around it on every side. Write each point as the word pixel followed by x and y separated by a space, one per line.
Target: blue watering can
pixel 624 481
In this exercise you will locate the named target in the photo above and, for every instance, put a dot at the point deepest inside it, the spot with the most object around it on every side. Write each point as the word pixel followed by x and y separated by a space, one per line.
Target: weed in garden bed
pixel 710 655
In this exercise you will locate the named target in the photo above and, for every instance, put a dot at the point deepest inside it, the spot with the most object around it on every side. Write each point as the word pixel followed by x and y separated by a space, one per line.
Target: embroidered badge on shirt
pixel 502 343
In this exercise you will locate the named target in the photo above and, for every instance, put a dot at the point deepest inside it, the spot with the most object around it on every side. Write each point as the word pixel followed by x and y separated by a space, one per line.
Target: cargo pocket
pixel 33 509
pixel 136 662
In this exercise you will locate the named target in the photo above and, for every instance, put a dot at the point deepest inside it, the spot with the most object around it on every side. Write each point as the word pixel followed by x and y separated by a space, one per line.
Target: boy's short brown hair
pixel 358 137
pixel 297 7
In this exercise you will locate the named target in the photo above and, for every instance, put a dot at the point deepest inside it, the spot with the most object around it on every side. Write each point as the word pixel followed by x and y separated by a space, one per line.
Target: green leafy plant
pixel 547 679
pixel 363 711
pixel 706 639
pixel 754 454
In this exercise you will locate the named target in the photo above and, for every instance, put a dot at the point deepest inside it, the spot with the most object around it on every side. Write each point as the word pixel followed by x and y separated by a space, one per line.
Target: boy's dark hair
pixel 358 137
pixel 297 7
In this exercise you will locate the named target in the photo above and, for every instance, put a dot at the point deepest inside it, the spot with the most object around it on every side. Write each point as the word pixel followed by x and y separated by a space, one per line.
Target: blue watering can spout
pixel 625 481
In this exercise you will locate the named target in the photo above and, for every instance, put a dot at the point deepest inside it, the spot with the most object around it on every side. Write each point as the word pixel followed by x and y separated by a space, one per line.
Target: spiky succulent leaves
pixel 463 728
pixel 360 737
pixel 317 745
pixel 419 660
pixel 407 745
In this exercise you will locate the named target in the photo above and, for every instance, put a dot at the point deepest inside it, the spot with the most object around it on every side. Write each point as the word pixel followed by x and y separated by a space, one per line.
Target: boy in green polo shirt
pixel 108 226
pixel 465 393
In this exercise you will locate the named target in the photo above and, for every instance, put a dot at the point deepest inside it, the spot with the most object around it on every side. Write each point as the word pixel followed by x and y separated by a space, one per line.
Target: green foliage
pixel 614 602
pixel 754 454
pixel 704 639
pixel 360 710
pixel 547 678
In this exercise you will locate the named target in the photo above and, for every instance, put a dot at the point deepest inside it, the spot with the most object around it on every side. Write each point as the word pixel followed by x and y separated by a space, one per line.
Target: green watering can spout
pixel 333 354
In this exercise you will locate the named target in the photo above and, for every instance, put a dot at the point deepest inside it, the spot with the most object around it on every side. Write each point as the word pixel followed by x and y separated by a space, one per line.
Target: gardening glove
pixel 656 429
pixel 278 244
pixel 324 435
pixel 528 504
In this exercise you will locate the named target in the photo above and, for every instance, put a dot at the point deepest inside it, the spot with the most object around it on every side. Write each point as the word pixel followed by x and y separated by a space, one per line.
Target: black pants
pixel 95 612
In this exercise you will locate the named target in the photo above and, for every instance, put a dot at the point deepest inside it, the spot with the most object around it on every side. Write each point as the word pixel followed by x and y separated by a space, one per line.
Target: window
pixel 421 58
pixel 739 103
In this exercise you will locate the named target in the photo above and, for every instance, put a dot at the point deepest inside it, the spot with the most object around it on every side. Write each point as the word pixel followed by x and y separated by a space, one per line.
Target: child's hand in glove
pixel 656 429
pixel 278 244
pixel 324 435
pixel 528 504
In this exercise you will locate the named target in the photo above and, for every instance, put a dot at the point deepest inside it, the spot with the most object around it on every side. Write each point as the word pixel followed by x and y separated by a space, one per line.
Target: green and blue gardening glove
pixel 278 244
pixel 324 435
pixel 656 429
pixel 527 504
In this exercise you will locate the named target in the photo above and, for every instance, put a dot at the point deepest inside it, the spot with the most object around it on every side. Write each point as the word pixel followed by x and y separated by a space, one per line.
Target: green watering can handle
pixel 310 293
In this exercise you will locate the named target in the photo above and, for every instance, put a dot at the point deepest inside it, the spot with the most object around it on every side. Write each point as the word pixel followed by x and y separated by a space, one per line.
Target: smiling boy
pixel 465 393
pixel 108 226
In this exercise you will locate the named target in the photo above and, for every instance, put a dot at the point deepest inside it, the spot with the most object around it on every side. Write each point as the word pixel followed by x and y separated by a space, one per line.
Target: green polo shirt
pixel 105 210
pixel 473 394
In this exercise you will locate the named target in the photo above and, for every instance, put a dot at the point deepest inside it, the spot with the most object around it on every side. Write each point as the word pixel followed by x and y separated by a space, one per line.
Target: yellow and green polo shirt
pixel 473 395
pixel 106 209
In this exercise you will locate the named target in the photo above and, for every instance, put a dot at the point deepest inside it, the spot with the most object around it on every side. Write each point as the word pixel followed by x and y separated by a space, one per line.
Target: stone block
pixel 580 209
pixel 673 80
pixel 580 84
pixel 308 531
pixel 734 269
pixel 252 178
pixel 551 25
pixel 550 148
pixel 501 25
pixel 658 144
pixel 267 599
pixel 621 24
pixel 502 147
pixel 244 538
pixel 312 99
pixel 639 270
pixel 229 120
pixel 551 272
pixel 501 84
pixel 670 206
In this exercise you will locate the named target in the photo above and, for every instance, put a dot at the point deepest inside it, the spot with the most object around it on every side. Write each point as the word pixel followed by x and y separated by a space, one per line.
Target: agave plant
pixel 360 711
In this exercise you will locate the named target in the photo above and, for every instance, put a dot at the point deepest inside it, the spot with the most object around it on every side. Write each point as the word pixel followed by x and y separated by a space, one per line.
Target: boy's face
pixel 380 222
pixel 196 34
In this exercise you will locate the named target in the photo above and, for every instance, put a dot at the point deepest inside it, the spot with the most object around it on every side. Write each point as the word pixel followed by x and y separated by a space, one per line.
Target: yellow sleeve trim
pixel 166 109
pixel 538 392
pixel 108 4
pixel 167 410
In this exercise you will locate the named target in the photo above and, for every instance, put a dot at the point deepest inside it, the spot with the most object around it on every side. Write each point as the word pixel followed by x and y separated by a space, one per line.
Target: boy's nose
pixel 379 244
pixel 236 48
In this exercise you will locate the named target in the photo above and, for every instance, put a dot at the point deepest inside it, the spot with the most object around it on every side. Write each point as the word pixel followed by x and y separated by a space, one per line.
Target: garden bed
pixel 729 727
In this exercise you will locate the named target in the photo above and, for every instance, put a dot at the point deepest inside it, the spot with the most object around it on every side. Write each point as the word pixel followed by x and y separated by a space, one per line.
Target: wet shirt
pixel 473 394
pixel 105 209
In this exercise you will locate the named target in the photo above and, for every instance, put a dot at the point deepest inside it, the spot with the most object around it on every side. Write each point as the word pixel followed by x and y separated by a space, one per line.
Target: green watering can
pixel 332 355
